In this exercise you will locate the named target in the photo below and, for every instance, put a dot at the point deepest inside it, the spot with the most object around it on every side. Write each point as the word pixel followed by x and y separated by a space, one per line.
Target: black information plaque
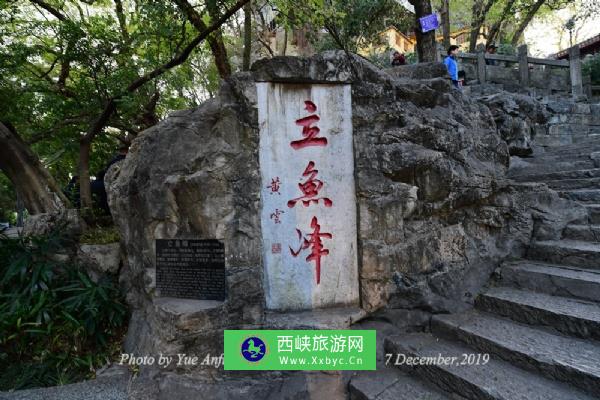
pixel 190 269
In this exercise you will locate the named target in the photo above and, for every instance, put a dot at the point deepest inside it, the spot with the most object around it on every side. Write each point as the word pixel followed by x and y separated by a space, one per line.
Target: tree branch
pixel 480 10
pixel 523 24
pixel 122 20
pixel 55 87
pixel 266 46
pixel 496 27
pixel 215 41
pixel 50 9
pixel 179 59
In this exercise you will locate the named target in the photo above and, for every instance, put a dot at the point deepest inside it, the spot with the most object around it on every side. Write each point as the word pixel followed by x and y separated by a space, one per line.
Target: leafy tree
pixel 78 77
pixel 591 67
pixel 506 19
pixel 350 24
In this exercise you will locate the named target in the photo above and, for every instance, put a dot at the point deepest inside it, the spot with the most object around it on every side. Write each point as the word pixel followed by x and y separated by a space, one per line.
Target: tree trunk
pixel 426 47
pixel 530 14
pixel 85 148
pixel 33 183
pixel 446 22
pixel 495 29
pixel 215 40
pixel 220 52
pixel 480 10
pixel 85 190
pixel 285 40
pixel 247 36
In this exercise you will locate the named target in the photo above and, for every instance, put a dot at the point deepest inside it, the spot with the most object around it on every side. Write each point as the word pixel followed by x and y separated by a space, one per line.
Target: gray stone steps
pixel 319 318
pixel 576 148
pixel 576 143
pixel 575 253
pixel 494 380
pixel 565 184
pixel 559 175
pixel 585 147
pixel 562 158
pixel 589 233
pixel 594 210
pixel 582 142
pixel 556 280
pixel 391 384
pixel 540 168
pixel 589 144
pixel 567 359
pixel 571 316
pixel 582 195
pixel 547 158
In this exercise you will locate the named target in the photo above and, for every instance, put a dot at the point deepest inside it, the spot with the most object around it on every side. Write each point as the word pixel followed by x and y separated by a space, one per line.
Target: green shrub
pixel 506 49
pixel 56 325
pixel 100 235
pixel 411 58
pixel 591 66
pixel 381 59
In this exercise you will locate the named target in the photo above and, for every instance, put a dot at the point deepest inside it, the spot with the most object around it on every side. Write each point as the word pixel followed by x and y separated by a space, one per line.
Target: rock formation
pixel 518 117
pixel 535 324
pixel 436 212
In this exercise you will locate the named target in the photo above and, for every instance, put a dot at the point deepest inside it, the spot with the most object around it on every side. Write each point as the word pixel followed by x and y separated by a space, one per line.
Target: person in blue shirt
pixel 452 65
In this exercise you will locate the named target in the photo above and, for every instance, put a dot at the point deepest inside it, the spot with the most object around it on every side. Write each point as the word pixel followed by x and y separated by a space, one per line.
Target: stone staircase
pixel 539 322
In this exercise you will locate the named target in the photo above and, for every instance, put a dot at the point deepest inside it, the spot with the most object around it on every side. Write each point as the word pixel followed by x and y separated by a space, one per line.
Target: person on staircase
pixel 398 59
pixel 491 49
pixel 452 65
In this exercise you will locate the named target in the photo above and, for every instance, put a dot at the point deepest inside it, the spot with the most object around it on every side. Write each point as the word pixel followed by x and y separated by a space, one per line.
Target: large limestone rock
pixel 419 71
pixel 518 117
pixel 67 221
pixel 100 259
pixel 436 213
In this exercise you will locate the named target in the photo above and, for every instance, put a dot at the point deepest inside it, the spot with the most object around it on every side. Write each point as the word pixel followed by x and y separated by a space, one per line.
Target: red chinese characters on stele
pixel 309 132
pixel 310 188
pixel 314 242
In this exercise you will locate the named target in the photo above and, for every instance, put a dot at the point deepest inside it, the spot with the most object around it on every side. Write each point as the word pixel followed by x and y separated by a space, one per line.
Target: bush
pixel 100 235
pixel 381 59
pixel 411 58
pixel 56 325
pixel 506 49
pixel 591 66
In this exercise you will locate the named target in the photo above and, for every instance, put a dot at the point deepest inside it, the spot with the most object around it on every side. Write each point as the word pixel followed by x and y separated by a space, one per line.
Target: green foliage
pixel 411 58
pixel 350 24
pixel 102 57
pixel 380 59
pixel 506 49
pixel 461 13
pixel 7 201
pixel 591 67
pixel 56 325
pixel 100 235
